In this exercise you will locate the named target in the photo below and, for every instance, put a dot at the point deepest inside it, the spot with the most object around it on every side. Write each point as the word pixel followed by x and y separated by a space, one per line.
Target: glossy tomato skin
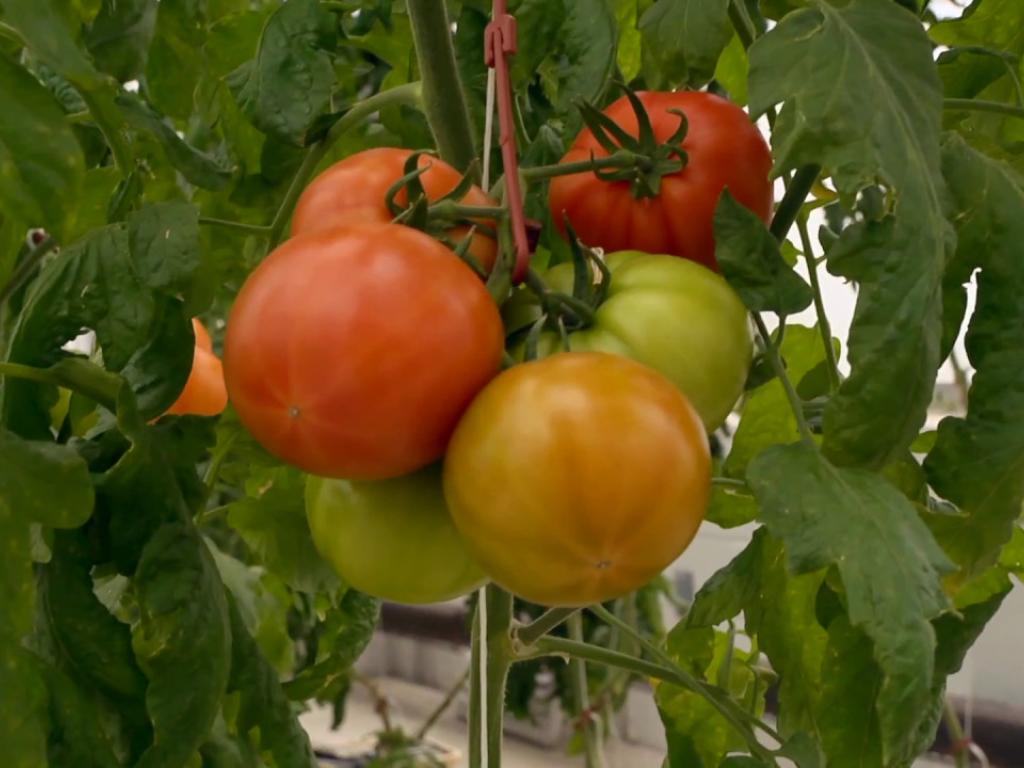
pixel 352 352
pixel 392 539
pixel 678 317
pixel 205 393
pixel 354 190
pixel 577 478
pixel 724 150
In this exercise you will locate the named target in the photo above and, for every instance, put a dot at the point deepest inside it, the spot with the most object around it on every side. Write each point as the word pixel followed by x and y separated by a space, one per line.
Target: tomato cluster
pixel 368 354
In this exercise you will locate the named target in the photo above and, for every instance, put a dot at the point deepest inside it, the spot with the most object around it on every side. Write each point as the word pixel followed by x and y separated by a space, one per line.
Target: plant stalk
pixel 793 200
pixel 588 721
pixel 780 370
pixel 499 658
pixel 819 305
pixel 443 99
pixel 981 105
pixel 241 226
pixel 24 271
pixel 441 708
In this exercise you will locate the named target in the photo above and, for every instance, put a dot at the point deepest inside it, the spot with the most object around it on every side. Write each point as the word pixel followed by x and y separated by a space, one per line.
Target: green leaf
pixel 264 710
pixel 589 45
pixel 182 642
pixel 76 737
pixel 343 637
pixel 630 39
pixel 978 461
pixel 262 601
pixel 41 163
pixel 119 37
pixel 272 521
pixel 174 66
pixel 198 168
pixel 44 482
pixel 780 610
pixel 95 644
pixel 766 418
pixel 164 244
pixel 50 38
pixel 732 70
pixel 751 261
pixel 287 86
pixel 24 720
pixel 682 40
pixel 862 98
pixel 696 732
pixel 850 684
pixel 90 210
pixel 158 370
pixel 854 520
pixel 538 24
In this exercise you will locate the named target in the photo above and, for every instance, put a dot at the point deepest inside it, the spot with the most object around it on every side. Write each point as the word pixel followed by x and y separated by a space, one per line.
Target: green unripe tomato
pixel 671 314
pixel 392 539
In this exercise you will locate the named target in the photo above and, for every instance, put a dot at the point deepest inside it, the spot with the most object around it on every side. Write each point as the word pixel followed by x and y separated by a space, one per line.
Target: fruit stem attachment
pixel 444 102
pixel 528 634
pixel 410 93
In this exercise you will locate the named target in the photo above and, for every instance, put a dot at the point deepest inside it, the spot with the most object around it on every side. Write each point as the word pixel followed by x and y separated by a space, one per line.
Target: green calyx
pixel 651 159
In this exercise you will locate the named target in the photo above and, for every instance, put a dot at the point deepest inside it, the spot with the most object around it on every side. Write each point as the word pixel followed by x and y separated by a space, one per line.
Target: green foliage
pixel 157 578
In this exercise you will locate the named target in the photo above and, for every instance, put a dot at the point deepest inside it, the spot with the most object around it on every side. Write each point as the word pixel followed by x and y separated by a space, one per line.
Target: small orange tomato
pixel 204 393
pixel 354 191
pixel 578 478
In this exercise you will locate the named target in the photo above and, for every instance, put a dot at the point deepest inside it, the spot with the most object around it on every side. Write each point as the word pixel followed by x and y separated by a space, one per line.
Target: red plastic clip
pixel 500 43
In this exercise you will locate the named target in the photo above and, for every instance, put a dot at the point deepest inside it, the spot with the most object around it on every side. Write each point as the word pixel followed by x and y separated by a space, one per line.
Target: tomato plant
pixel 352 351
pixel 305 175
pixel 355 190
pixel 672 213
pixel 604 470
pixel 702 344
pixel 392 539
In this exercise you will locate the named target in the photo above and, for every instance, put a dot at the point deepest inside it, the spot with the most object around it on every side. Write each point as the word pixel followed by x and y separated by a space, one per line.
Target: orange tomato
pixel 352 352
pixel 578 478
pixel 354 191
pixel 204 393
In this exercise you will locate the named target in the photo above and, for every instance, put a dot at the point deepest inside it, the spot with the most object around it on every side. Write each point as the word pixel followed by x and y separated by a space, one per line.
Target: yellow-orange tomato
pixel 354 190
pixel 578 478
pixel 204 393
pixel 352 352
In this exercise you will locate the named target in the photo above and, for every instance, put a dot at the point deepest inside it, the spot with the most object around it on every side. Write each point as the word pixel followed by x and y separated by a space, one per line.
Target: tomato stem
pixel 256 229
pixel 796 192
pixel 619 160
pixel 444 101
pixel 499 658
pixel 795 404
pixel 441 708
pixel 452 210
pixel 24 270
pixel 410 93
pixel 824 327
pixel 89 386
pixel 742 23
pixel 981 105
pixel 527 634
pixel 739 718
pixel 588 724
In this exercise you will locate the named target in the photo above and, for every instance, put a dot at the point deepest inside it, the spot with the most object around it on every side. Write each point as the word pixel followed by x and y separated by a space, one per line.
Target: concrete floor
pixel 412 703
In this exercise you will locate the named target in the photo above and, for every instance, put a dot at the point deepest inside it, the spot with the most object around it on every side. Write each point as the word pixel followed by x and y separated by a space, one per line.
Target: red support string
pixel 499 44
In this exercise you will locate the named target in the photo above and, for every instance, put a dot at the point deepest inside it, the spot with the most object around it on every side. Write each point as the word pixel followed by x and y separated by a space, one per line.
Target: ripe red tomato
pixel 724 149
pixel 204 393
pixel 392 539
pixel 353 190
pixel 352 352
pixel 577 478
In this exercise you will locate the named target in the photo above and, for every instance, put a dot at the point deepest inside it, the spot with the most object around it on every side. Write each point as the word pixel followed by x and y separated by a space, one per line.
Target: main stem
pixel 443 99
pixel 499 657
